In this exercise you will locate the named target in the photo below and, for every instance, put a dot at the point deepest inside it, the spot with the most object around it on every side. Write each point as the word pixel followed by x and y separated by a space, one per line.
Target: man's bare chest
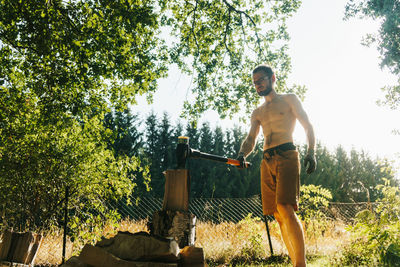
pixel 275 113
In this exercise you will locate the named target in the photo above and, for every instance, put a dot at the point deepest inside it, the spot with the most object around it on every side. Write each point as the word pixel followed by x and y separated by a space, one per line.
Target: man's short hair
pixel 264 68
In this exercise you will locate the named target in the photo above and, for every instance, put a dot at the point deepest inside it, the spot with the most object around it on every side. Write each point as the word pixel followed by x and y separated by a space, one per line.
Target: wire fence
pixel 219 210
pixel 216 210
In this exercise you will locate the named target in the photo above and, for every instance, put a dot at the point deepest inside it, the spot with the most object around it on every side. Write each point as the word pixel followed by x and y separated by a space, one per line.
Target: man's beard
pixel 266 91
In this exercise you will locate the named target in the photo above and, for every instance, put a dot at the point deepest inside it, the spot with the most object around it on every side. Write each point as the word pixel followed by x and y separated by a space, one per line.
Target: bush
pixel 375 234
pixel 250 231
pixel 314 199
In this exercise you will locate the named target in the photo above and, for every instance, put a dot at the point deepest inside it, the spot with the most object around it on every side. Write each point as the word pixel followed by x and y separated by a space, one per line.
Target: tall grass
pixel 223 243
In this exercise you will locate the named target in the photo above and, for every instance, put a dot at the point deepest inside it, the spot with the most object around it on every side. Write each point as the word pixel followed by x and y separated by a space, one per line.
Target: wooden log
pixel 19 247
pixel 177 224
pixel 12 264
pixel 74 261
pixel 177 187
pixel 98 257
pixel 141 247
pixel 192 257
pixel 5 243
pixel 34 248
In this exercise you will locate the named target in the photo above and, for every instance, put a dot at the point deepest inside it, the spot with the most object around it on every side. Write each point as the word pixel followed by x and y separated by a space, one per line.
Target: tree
pixel 176 132
pixel 203 172
pixel 65 64
pixel 351 177
pixel 152 155
pixel 220 42
pixel 39 162
pixel 387 39
pixel 127 140
pixel 166 144
pixel 222 172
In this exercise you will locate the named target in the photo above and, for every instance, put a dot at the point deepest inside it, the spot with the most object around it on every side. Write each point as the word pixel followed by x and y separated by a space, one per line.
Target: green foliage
pixel 88 54
pixel 347 178
pixel 250 231
pixel 387 39
pixel 313 200
pixel 375 234
pixel 65 64
pixel 65 51
pixel 225 40
pixel 40 161
pixel 126 140
pixel 351 177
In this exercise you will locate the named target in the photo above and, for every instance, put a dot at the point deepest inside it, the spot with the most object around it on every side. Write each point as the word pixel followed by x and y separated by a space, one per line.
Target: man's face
pixel 262 83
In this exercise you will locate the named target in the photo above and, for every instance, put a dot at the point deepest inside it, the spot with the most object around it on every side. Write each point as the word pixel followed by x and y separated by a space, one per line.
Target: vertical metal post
pixel 65 223
pixel 269 236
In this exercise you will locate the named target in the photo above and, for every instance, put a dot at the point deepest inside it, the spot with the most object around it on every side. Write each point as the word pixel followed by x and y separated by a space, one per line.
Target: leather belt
pixel 283 147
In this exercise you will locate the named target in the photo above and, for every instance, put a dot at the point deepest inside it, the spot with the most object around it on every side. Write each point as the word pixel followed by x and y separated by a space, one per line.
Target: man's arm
pixel 301 115
pixel 248 144
pixel 309 160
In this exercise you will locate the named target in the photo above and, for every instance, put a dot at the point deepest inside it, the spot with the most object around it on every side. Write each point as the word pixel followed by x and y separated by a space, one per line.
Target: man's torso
pixel 277 121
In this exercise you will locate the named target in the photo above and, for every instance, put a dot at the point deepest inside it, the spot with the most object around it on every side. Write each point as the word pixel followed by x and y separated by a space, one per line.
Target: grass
pixel 224 244
pixel 227 244
pixel 280 261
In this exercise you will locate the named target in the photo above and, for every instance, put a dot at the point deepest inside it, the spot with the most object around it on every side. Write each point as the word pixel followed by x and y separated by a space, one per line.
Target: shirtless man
pixel 280 167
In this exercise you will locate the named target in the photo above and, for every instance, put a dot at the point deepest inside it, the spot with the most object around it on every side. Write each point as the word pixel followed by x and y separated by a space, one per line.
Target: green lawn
pixel 281 261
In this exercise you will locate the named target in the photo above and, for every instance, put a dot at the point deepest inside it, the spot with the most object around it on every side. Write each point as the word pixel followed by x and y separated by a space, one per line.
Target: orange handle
pixel 236 162
pixel 233 162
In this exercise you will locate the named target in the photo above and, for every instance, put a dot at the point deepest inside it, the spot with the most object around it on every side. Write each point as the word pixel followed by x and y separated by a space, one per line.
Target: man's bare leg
pixel 293 230
pixel 285 236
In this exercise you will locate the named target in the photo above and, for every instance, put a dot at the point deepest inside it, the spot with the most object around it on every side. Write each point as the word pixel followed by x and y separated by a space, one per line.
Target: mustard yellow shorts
pixel 280 180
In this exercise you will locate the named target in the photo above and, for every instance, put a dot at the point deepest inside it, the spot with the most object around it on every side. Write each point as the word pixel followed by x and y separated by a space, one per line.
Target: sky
pixel 342 76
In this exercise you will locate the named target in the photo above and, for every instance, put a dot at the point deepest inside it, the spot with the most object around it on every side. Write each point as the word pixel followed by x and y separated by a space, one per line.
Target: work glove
pixel 310 162
pixel 242 160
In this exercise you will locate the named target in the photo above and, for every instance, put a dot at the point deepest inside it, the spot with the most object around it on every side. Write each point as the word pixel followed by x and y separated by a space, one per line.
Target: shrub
pixel 314 199
pixel 250 231
pixel 375 234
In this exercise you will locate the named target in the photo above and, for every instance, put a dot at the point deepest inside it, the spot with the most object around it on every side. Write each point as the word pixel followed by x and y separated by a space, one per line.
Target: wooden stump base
pixel 180 225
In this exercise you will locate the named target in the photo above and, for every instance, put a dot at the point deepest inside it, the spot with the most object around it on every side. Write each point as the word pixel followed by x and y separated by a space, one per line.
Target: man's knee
pixel 277 217
pixel 285 211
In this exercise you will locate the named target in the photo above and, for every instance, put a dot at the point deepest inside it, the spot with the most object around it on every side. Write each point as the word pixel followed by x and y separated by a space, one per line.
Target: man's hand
pixel 311 162
pixel 242 160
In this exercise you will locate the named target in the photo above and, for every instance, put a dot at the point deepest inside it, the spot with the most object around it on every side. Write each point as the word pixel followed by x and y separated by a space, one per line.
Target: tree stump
pixel 177 224
pixel 174 220
pixel 177 188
